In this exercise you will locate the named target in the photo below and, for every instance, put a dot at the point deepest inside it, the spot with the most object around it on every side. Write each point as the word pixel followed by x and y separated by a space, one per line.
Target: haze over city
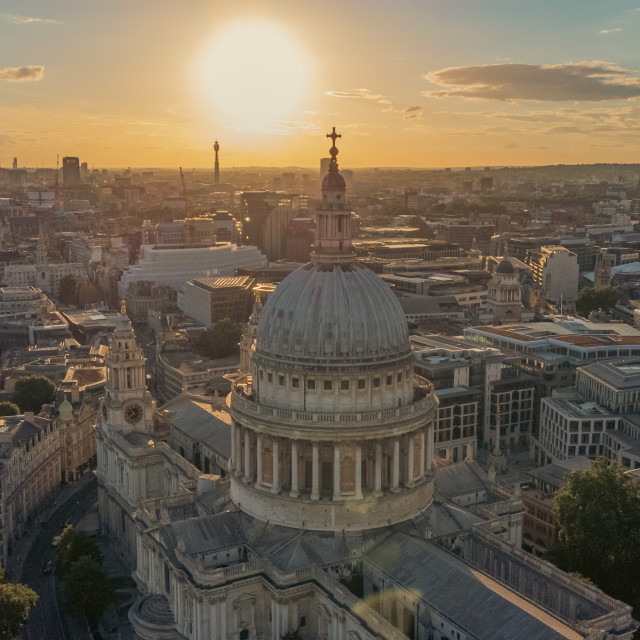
pixel 422 84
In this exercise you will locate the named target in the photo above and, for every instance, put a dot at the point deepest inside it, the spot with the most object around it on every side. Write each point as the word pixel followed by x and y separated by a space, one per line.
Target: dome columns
pixel 331 470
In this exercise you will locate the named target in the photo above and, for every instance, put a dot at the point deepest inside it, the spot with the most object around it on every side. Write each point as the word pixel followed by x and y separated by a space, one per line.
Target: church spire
pixel 41 250
pixel 333 220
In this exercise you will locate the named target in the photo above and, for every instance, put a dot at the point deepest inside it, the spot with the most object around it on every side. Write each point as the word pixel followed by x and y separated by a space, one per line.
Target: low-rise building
pixel 29 472
pixel 208 300
pixel 538 525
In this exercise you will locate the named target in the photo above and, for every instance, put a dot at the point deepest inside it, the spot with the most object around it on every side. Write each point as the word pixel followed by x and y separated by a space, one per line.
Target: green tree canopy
pixel 68 290
pixel 220 339
pixel 31 392
pixel 87 590
pixel 9 409
pixel 74 545
pixel 597 516
pixel 16 602
pixel 593 298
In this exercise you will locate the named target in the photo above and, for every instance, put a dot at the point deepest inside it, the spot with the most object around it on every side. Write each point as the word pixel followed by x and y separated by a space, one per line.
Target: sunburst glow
pixel 253 74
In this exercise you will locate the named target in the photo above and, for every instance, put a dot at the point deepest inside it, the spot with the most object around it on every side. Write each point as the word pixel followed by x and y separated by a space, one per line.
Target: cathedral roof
pixel 332 314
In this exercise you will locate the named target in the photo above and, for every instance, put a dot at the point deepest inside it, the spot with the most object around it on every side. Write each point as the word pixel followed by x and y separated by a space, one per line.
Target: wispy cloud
pixel 412 112
pixel 27 19
pixel 576 81
pixel 615 30
pixel 22 74
pixel 362 94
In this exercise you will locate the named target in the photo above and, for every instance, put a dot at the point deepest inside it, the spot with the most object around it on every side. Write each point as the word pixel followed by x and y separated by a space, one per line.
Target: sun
pixel 253 74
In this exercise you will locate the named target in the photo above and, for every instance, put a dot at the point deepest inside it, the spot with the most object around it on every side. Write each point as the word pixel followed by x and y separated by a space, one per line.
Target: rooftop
pixel 622 373
pixel 224 283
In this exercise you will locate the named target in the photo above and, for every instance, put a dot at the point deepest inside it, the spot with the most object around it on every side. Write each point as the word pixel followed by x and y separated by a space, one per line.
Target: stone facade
pixel 29 472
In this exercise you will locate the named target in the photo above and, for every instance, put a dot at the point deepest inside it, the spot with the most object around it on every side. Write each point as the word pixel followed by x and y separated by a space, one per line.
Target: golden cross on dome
pixel 333 135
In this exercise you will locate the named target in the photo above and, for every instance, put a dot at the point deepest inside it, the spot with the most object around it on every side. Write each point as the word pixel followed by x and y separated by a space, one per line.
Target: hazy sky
pixel 409 82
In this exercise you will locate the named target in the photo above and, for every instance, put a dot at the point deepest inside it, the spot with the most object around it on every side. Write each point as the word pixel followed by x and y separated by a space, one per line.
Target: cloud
pixel 512 145
pixel 582 81
pixel 28 19
pixel 413 113
pixel 22 74
pixel 362 94
pixel 611 30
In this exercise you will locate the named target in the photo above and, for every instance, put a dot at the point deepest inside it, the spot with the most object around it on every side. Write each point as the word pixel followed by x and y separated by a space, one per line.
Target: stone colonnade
pixel 331 469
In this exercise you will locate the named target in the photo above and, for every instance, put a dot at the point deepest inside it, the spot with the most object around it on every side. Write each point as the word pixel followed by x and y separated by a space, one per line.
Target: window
pixel 261 372
pixel 303 621
pixel 269 377
pixel 362 384
pixel 376 383
pixel 281 381
pixel 311 385
pixel 295 383
pixel 344 385
pixel 328 385
pixel 389 380
pixel 399 377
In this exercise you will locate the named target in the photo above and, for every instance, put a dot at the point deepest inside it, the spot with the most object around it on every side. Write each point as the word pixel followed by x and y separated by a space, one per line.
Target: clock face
pixel 133 413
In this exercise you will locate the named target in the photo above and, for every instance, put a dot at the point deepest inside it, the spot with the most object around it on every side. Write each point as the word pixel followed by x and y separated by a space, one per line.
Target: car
pixel 46 570
pixel 56 541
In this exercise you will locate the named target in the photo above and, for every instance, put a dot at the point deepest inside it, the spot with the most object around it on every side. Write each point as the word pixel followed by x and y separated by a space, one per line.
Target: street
pixel 48 620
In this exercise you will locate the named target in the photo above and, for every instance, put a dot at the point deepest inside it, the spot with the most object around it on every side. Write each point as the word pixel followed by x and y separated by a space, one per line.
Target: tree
pixel 9 409
pixel 31 392
pixel 16 602
pixel 597 517
pixel 220 339
pixel 593 298
pixel 87 589
pixel 74 545
pixel 68 290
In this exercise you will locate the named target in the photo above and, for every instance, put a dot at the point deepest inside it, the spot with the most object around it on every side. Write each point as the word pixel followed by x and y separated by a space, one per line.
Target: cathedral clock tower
pixel 127 405
pixel 129 463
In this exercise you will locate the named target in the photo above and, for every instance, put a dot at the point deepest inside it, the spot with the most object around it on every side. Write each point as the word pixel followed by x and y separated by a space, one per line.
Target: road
pixel 48 620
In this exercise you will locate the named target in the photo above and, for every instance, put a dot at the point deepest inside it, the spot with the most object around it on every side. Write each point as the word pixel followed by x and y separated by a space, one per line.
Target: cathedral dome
pixel 332 314
pixel 505 268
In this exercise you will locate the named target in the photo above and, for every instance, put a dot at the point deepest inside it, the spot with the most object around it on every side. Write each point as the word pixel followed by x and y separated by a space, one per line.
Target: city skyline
pixel 415 85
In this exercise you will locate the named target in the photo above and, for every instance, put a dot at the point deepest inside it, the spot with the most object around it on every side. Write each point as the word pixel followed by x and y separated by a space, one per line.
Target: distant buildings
pixel 208 300
pixel 466 233
pixel 175 266
pixel 555 271
pixel 71 171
